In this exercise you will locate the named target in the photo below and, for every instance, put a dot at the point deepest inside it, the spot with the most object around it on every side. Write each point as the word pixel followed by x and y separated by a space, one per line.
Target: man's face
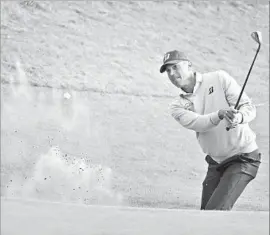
pixel 178 73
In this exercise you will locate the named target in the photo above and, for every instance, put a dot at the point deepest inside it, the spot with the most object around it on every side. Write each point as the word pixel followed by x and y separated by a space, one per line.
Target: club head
pixel 257 36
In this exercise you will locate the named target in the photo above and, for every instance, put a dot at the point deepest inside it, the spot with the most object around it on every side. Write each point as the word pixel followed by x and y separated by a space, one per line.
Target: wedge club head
pixel 257 36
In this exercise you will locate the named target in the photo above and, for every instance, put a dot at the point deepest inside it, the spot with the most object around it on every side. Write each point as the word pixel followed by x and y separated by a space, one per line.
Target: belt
pixel 252 157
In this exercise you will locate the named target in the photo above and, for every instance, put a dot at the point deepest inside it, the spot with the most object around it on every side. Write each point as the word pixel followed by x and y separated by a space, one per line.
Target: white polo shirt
pixel 198 111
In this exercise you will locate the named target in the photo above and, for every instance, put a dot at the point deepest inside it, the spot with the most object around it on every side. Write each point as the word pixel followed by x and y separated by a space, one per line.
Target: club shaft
pixel 243 87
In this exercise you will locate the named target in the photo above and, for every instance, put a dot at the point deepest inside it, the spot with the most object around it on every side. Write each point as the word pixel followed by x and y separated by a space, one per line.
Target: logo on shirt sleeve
pixel 211 90
pixel 187 104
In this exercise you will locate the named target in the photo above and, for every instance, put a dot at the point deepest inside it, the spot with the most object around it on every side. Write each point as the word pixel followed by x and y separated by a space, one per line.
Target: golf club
pixel 257 36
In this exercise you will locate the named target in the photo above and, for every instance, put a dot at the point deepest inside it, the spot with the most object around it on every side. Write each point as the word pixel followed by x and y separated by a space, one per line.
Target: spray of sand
pixel 59 177
pixel 55 175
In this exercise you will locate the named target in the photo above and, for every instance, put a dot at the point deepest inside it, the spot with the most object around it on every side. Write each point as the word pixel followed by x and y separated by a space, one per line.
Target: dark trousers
pixel 225 182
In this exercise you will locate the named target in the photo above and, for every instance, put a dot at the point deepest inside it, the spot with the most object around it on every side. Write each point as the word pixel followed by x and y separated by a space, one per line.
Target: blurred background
pixel 84 109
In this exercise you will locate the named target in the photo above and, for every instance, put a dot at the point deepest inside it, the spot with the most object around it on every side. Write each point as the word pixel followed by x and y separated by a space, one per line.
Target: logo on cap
pixel 166 57
pixel 173 57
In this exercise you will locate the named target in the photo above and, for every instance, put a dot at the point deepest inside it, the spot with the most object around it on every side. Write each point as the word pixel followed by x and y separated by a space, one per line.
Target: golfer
pixel 205 105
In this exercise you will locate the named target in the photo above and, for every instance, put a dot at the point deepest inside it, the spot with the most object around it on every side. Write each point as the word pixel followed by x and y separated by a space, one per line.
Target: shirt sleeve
pixel 232 91
pixel 192 120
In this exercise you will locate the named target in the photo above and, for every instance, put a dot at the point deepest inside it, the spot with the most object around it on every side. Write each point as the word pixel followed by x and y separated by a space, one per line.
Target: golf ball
pixel 67 95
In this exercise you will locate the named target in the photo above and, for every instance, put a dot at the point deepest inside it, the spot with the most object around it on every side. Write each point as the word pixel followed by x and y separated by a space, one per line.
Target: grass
pixel 27 217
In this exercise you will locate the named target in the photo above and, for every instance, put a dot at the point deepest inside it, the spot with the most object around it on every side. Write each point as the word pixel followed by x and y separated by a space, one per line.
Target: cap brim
pixel 163 67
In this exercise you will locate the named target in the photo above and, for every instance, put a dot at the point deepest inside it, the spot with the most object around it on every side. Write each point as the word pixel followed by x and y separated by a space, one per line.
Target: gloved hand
pixel 232 116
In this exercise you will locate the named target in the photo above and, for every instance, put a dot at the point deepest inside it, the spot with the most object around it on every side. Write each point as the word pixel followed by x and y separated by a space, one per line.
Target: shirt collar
pixel 199 79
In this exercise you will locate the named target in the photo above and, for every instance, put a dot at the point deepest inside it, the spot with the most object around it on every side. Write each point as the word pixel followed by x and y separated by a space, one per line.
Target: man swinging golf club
pixel 219 111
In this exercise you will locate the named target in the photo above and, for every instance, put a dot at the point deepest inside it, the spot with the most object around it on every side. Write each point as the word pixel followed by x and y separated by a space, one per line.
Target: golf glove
pixel 232 116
